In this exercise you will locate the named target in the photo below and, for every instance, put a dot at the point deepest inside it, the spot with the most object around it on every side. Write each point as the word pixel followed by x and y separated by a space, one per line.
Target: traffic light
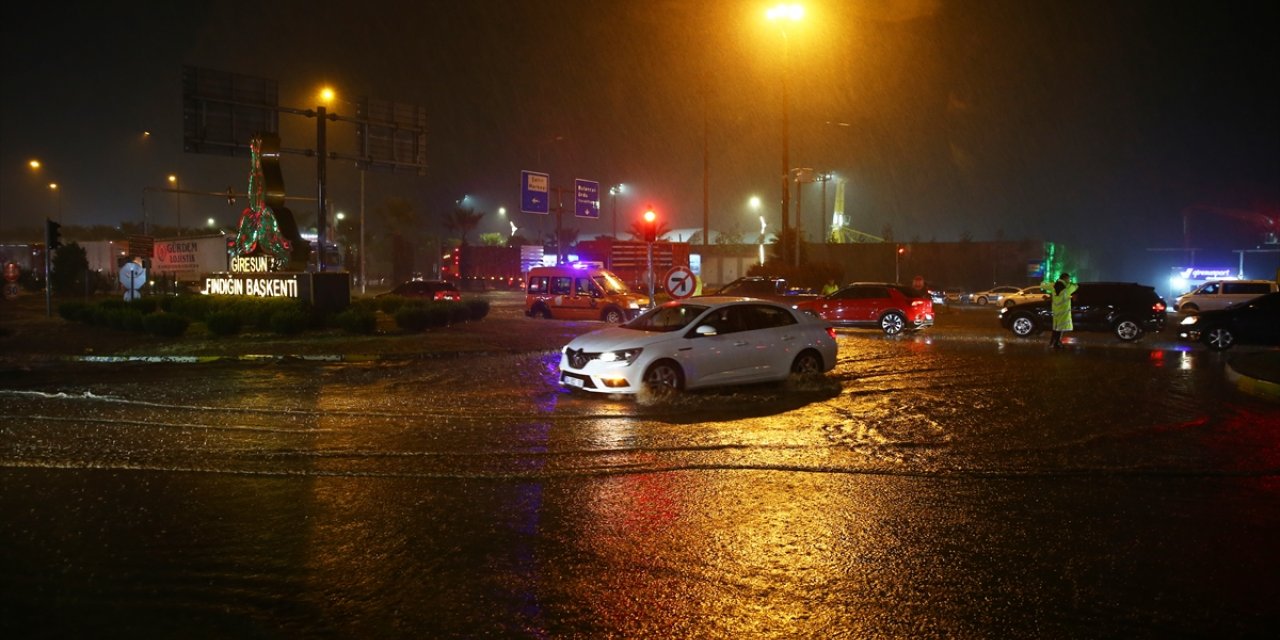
pixel 650 225
pixel 902 250
pixel 52 235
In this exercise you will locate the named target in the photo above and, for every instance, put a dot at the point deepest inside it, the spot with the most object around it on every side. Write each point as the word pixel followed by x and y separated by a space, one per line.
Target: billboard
pixel 223 111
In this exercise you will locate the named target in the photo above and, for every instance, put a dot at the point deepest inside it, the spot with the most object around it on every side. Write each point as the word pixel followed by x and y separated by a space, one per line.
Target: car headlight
pixel 1190 320
pixel 633 305
pixel 624 355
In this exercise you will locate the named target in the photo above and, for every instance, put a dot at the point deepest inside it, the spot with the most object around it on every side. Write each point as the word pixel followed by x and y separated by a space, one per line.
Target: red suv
pixel 891 307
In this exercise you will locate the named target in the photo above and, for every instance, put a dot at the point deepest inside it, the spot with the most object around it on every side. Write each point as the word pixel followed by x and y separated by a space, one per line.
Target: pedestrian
pixel 1060 296
pixel 830 287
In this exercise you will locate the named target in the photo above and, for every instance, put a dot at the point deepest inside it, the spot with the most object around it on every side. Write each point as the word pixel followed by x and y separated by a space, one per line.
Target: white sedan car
pixel 700 342
pixel 1027 294
pixel 993 295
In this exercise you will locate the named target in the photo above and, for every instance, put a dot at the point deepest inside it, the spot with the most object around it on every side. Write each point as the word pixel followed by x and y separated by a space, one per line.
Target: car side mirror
pixel 705 330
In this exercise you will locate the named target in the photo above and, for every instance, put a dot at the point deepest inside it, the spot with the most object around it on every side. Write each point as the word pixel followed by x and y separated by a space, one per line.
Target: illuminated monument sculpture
pixel 268 257
pixel 267 227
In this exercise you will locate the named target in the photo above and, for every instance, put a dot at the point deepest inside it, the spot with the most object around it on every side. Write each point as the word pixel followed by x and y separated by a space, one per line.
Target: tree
pixel 492 239
pixel 637 229
pixel 462 221
pixel 732 236
pixel 566 238
pixel 70 266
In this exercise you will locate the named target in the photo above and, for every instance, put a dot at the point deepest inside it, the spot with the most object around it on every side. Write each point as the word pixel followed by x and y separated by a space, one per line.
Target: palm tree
pixel 637 230
pixel 462 221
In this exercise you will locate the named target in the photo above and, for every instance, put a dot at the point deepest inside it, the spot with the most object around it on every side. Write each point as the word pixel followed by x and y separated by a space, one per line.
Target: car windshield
pixel 749 288
pixel 667 317
pixel 610 283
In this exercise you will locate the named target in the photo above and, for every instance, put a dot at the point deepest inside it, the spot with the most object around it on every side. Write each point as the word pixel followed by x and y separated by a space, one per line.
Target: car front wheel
pixel 664 373
pixel 807 363
pixel 1128 330
pixel 613 315
pixel 1022 326
pixel 1219 338
pixel 892 323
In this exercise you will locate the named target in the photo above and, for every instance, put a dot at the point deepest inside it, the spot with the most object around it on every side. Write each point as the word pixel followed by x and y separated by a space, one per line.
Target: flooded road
pixel 945 484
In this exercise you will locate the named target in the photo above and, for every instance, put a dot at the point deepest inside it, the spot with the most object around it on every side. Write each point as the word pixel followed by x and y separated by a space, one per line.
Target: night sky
pixel 1090 123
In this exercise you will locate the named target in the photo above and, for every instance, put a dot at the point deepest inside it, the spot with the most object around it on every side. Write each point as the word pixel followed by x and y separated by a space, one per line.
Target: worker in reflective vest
pixel 1060 294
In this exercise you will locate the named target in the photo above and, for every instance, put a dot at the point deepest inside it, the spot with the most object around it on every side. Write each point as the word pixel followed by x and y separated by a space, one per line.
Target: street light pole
pixel 613 193
pixel 177 196
pixel 786 141
pixel 363 279
pixel 321 202
pixel 780 14
pixel 57 199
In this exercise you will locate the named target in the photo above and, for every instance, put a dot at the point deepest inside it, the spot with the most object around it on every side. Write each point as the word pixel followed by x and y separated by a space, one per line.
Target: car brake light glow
pixel 1158 307
pixel 831 331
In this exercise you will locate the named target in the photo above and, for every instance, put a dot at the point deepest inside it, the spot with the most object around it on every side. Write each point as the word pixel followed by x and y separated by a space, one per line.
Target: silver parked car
pixel 700 342
pixel 993 295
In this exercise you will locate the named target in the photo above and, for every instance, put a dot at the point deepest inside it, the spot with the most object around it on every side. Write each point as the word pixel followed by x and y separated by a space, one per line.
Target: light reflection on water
pixel 368 501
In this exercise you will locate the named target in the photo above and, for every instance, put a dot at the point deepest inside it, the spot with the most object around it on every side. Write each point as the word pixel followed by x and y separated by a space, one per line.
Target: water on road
pixel 935 485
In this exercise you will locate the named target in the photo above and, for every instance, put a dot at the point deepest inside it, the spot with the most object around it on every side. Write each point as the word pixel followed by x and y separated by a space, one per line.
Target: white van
pixel 1217 294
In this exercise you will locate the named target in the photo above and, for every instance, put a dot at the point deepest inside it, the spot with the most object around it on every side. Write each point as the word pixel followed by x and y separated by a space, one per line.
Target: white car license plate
pixel 573 382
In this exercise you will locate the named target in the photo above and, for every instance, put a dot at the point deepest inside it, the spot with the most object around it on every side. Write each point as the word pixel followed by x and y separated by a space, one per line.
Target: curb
pixel 1265 389
pixel 365 357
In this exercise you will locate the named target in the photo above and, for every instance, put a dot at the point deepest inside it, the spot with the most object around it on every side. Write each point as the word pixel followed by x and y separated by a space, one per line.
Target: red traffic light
pixel 650 225
pixel 902 249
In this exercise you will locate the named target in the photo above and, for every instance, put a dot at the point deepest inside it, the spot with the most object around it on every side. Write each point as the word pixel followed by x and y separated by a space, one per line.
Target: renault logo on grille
pixel 578 358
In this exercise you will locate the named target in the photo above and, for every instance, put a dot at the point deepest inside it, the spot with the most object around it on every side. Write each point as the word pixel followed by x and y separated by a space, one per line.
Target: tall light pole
pixel 803 175
pixel 824 177
pixel 363 279
pixel 613 194
pixel 781 15
pixel 57 199
pixel 754 204
pixel 326 96
pixel 177 195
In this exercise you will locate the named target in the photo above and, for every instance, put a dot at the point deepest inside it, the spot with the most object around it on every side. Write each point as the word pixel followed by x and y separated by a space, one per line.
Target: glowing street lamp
pixel 782 15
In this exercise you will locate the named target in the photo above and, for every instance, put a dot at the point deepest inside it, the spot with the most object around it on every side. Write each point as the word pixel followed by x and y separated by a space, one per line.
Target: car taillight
pixel 1158 307
pixel 831 331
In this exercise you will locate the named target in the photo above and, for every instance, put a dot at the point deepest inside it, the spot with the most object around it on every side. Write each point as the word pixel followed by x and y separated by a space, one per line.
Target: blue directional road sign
pixel 587 196
pixel 535 192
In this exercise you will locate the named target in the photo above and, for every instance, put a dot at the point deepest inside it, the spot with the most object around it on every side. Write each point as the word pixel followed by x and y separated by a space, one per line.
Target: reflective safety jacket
pixel 1061 305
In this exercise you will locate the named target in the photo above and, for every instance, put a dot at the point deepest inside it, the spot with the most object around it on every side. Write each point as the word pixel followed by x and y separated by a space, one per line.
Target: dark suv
pixel 766 288
pixel 1126 309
